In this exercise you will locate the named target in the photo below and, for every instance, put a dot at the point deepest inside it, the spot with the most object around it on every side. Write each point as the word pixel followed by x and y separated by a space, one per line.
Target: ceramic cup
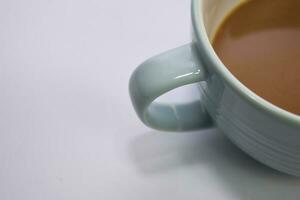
pixel 266 132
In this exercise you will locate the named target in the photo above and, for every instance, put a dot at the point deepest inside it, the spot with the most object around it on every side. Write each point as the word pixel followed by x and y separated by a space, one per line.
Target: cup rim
pixel 228 77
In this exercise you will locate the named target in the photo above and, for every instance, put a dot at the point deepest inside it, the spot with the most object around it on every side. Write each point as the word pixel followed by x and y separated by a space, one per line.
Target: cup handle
pixel 161 74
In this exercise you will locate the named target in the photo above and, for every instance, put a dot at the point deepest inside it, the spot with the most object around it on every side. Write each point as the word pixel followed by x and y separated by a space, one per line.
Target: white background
pixel 67 128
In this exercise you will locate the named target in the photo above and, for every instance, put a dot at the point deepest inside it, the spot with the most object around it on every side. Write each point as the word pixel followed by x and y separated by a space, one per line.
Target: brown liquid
pixel 259 42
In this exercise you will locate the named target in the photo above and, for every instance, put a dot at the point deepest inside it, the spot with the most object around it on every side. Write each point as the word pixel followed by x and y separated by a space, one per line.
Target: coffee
pixel 259 42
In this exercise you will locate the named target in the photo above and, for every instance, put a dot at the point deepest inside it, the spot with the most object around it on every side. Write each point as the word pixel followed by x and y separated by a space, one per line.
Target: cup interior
pixel 214 11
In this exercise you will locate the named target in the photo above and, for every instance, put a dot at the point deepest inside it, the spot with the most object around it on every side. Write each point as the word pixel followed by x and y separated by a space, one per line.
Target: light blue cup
pixel 268 133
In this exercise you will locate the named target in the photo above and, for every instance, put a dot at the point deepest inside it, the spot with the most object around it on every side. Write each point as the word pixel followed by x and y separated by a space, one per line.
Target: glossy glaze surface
pixel 161 74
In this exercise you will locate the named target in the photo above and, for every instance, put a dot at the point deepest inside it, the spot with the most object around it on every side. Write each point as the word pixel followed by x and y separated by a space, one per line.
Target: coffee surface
pixel 259 42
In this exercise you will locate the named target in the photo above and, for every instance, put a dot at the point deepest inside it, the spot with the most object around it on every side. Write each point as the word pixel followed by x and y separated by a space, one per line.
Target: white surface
pixel 67 128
